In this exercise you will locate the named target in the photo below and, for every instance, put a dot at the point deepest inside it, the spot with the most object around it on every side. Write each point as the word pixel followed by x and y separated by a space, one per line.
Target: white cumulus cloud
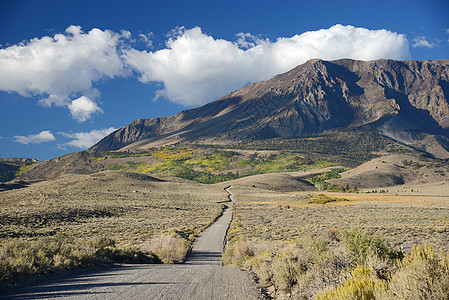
pixel 422 41
pixel 196 68
pixel 84 140
pixel 62 67
pixel 83 108
pixel 42 137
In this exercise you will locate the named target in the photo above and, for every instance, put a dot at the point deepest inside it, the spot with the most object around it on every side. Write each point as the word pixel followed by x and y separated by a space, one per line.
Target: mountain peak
pixel 315 96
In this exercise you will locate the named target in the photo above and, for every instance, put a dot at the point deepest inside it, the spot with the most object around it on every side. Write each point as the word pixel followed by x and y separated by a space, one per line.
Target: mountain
pixel 344 111
pixel 402 96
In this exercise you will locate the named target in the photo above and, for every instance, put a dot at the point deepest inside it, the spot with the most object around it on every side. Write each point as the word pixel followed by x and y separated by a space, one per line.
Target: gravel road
pixel 202 276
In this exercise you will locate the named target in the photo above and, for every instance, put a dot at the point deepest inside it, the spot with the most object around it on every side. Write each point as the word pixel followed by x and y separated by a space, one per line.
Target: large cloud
pixel 63 67
pixel 83 140
pixel 42 137
pixel 196 68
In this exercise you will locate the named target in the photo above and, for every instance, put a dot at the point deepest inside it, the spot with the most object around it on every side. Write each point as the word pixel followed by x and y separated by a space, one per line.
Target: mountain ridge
pixel 313 97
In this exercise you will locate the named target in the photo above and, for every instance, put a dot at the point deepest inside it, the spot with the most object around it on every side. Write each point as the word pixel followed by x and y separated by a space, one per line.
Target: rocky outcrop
pixel 311 98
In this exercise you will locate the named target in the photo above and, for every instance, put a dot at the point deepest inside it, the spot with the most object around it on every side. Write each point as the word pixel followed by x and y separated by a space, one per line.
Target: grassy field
pixel 303 244
pixel 404 220
pixel 112 210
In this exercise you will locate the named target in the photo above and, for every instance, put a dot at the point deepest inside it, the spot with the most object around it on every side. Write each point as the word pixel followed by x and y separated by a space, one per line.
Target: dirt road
pixel 201 277
pixel 208 248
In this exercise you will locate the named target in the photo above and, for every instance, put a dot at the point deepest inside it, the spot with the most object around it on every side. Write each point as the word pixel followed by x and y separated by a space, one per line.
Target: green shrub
pixel 116 167
pixel 261 264
pixel 323 199
pixel 286 270
pixel 359 244
pixel 424 274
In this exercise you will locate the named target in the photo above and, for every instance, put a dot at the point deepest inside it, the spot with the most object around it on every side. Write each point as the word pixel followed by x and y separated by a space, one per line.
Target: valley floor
pixel 276 218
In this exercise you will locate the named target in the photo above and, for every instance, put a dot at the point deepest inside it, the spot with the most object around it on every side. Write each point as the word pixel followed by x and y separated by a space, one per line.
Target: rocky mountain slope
pixel 405 98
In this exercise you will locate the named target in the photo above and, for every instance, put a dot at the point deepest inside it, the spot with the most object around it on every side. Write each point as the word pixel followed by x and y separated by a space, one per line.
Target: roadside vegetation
pixel 305 246
pixel 350 264
pixel 106 217
pixel 19 257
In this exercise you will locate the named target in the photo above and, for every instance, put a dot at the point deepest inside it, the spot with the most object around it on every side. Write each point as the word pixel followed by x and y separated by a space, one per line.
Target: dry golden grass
pixel 404 220
pixel 134 210
pixel 298 249
pixel 128 207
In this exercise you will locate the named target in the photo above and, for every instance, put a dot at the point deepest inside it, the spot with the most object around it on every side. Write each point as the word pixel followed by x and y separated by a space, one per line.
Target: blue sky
pixel 73 71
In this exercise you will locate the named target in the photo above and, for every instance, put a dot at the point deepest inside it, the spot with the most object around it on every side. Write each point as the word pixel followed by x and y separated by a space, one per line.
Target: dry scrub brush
pixel 424 274
pixel 300 249
pixel 268 215
pixel 22 257
pixel 131 210
pixel 169 249
pixel 351 264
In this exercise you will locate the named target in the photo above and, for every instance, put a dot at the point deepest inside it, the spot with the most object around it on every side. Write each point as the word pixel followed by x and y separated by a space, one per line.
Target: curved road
pixel 202 276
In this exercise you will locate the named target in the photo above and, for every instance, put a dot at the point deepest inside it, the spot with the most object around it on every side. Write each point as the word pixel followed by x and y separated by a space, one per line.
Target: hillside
pixel 13 166
pixel 217 163
pixel 403 98
pixel 395 172
pixel 281 182
pixel 201 164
